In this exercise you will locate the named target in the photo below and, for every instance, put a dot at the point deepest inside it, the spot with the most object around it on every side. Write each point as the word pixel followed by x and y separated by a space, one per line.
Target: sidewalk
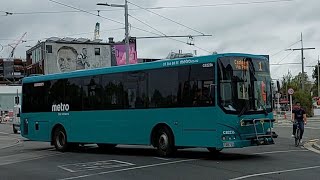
pixel 282 119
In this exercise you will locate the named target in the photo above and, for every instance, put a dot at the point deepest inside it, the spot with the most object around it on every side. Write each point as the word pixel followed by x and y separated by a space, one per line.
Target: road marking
pixel 161 158
pixel 5 133
pixel 128 169
pixel 274 152
pixel 17 141
pixel 313 140
pixel 275 172
pixel 313 128
pixel 23 157
pixel 89 166
pixel 67 169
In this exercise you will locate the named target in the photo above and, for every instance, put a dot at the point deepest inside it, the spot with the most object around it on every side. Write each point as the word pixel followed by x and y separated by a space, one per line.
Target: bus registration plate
pixel 228 144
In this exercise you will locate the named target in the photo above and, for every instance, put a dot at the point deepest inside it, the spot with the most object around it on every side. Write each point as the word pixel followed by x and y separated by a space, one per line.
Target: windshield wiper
pixel 244 109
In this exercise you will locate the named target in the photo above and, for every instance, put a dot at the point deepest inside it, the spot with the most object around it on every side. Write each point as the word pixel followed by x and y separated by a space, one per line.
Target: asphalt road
pixel 22 159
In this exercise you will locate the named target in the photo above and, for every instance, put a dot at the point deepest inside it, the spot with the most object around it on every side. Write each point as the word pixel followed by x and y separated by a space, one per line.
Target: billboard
pixel 119 53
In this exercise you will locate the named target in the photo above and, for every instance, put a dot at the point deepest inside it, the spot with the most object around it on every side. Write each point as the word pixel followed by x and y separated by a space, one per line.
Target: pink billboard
pixel 120 53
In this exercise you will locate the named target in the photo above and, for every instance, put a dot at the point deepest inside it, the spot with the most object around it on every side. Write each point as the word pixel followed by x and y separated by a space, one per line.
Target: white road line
pixel 313 128
pixel 275 172
pixel 123 162
pixel 5 133
pixel 274 152
pixel 161 158
pixel 12 145
pixel 30 159
pixel 67 169
pixel 88 166
pixel 128 169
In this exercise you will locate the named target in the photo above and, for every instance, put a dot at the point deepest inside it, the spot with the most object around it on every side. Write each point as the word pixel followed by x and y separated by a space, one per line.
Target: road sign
pixel 290 91
pixel 278 95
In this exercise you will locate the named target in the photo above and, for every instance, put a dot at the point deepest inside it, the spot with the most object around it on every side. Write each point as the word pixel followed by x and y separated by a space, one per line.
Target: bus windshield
pixel 245 85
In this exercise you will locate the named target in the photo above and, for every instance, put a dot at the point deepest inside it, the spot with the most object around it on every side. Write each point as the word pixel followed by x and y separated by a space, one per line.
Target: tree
pixel 315 76
pixel 305 100
pixel 303 96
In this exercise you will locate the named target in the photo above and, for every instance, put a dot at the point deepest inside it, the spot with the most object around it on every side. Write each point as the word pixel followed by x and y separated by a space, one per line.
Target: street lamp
pixel 125 6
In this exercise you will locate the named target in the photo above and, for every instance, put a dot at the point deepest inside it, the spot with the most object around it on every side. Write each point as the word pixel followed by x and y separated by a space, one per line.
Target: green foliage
pixel 315 76
pixel 305 100
pixel 304 97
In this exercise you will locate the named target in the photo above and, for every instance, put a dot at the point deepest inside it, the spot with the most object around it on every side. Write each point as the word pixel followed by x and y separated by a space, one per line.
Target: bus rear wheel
pixel 165 142
pixel 60 139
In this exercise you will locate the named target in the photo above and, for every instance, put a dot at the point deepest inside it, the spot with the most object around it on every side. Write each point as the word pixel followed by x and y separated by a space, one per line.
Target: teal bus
pixel 214 102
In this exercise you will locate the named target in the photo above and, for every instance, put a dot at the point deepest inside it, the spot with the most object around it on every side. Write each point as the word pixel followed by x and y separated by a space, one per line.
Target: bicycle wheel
pixel 297 137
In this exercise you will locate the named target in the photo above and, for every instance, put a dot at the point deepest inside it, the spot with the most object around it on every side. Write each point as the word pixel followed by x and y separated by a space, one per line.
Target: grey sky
pixel 256 28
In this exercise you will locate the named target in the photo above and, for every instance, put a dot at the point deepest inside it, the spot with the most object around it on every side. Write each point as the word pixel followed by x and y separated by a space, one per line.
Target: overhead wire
pixel 99 16
pixel 165 34
pixel 285 57
pixel 166 18
pixel 69 6
pixel 285 48
pixel 158 8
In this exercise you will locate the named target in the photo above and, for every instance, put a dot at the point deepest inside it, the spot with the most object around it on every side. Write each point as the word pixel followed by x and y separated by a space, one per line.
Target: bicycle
pixel 297 134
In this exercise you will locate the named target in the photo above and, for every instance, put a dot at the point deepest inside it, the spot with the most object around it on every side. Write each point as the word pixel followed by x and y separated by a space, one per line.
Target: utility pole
pixel 126 17
pixel 302 60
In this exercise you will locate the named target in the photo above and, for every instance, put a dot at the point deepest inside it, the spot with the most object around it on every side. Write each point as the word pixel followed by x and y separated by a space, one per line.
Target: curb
pixel 316 145
pixel 313 145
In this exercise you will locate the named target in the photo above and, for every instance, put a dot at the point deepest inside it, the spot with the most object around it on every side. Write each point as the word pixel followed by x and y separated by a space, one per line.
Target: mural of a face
pixel 67 57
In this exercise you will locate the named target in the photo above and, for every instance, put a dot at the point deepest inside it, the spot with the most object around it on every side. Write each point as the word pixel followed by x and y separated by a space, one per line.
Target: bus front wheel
pixel 165 142
pixel 60 139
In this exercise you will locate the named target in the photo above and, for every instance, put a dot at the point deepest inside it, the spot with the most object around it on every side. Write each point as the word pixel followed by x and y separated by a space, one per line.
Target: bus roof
pixel 134 67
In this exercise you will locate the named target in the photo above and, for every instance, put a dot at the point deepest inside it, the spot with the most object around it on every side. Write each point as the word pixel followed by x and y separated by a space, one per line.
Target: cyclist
pixel 299 116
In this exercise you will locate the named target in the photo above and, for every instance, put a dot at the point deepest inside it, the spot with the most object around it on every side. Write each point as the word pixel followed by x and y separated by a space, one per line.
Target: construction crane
pixel 14 45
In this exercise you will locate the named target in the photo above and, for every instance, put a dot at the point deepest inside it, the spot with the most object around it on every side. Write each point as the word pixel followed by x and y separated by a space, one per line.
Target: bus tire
pixel 213 150
pixel 60 139
pixel 15 131
pixel 106 146
pixel 165 142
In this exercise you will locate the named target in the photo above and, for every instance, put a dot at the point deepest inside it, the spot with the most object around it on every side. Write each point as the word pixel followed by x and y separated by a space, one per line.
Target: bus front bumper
pixel 248 143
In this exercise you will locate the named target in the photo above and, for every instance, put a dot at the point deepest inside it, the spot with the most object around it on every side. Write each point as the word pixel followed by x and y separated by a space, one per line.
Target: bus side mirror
pixel 16 100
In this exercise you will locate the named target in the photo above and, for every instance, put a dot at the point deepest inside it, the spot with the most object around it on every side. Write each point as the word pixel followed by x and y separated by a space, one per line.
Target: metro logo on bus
pixel 60 107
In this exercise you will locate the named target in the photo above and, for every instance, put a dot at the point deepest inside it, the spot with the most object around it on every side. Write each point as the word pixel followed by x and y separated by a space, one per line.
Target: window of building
pixel 49 48
pixel 97 51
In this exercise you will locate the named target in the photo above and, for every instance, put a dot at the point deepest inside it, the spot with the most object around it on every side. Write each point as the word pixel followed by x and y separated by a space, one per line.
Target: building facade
pixel 11 70
pixel 57 55
pixel 7 97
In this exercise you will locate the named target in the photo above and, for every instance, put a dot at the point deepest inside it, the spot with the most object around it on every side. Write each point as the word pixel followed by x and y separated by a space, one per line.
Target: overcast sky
pixel 258 28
